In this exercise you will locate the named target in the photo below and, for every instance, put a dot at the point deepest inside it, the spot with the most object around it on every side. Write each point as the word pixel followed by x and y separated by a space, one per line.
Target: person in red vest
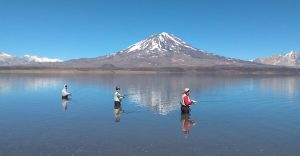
pixel 186 101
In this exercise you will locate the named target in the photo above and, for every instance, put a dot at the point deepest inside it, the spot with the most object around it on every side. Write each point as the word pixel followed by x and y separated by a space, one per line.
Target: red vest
pixel 186 101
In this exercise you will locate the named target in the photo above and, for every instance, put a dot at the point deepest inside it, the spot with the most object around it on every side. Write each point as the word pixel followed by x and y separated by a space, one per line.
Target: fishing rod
pixel 78 89
pixel 137 111
pixel 130 94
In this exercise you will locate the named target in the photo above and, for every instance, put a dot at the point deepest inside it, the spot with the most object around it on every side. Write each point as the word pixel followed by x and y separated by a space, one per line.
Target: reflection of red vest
pixel 187 124
pixel 186 101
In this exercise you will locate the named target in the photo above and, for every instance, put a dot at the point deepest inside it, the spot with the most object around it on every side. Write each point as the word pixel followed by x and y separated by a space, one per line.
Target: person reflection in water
pixel 118 110
pixel 117 104
pixel 64 103
pixel 186 123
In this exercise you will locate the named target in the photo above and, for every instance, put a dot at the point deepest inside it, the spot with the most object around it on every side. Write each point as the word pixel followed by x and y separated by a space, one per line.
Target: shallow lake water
pixel 235 115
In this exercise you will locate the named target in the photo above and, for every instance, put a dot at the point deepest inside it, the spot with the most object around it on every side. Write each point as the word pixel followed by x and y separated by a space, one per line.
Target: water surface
pixel 234 115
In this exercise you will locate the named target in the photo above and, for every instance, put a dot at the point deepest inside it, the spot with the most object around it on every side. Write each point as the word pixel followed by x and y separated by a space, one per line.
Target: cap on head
pixel 117 88
pixel 186 90
pixel 65 86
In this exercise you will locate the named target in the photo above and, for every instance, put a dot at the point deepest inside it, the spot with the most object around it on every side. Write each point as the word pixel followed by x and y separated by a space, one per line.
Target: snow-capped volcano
pixel 7 59
pixel 167 50
pixel 161 42
pixel 160 50
pixel 289 59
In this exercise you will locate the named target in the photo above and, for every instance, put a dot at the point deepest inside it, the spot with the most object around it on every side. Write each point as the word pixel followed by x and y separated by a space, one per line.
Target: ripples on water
pixel 234 116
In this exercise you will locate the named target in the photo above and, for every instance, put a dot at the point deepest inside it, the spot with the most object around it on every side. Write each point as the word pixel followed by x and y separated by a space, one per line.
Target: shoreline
pixel 214 70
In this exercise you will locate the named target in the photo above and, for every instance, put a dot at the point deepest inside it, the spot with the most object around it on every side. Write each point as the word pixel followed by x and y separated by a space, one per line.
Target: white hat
pixel 186 90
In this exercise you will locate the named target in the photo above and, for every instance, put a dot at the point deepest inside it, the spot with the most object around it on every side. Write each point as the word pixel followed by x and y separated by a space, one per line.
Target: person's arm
pixel 68 92
pixel 65 92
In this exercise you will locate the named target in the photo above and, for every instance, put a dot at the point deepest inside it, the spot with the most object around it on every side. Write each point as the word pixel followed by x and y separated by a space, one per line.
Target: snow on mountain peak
pixel 292 55
pixel 2 54
pixel 293 52
pixel 164 36
pixel 164 33
pixel 40 59
pixel 160 42
pixel 289 59
pixel 7 59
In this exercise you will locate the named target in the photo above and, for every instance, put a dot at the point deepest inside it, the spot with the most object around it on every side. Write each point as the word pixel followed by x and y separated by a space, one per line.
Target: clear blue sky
pixel 243 29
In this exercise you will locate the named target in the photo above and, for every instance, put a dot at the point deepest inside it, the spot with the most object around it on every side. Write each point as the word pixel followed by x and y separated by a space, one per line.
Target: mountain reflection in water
pixel 235 115
pixel 157 92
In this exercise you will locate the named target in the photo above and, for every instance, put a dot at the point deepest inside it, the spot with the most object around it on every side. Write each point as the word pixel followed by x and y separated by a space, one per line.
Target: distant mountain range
pixel 157 51
pixel 290 59
pixel 161 50
pixel 8 60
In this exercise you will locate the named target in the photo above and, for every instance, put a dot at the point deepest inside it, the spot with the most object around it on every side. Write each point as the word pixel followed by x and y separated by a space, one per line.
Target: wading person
pixel 64 92
pixel 118 98
pixel 186 101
